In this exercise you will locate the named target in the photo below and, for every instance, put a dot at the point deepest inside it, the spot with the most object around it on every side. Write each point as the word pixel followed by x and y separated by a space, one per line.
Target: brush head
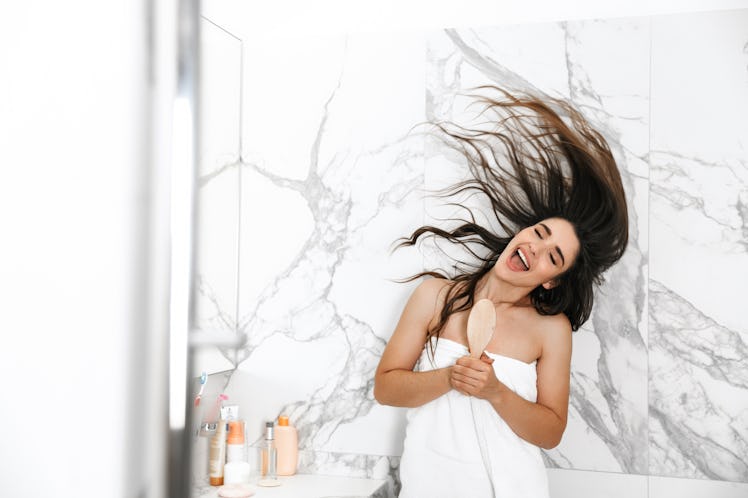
pixel 480 326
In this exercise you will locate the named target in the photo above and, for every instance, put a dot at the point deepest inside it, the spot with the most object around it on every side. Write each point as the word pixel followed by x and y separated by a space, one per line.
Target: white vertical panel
pixel 73 130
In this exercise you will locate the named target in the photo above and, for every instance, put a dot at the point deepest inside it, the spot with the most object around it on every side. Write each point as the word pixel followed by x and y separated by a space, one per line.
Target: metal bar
pixel 183 221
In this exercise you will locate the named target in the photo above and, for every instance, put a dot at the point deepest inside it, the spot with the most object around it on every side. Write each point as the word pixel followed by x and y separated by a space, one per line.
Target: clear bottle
pixel 287 446
pixel 268 454
pixel 217 457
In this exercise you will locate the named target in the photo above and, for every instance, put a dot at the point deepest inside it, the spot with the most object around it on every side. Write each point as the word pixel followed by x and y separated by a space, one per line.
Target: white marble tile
pixel 564 483
pixel 580 62
pixel 354 465
pixel 669 487
pixel 316 295
pixel 699 189
pixel 699 170
pixel 291 377
pixel 288 85
pixel 698 392
pixel 379 432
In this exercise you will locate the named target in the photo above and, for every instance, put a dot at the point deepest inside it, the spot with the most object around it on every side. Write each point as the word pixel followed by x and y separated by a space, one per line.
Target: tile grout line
pixel 649 244
pixel 239 200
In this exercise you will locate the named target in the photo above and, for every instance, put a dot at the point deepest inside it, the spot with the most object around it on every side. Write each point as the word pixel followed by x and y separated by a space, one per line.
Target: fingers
pixel 470 376
pixel 474 363
pixel 462 387
pixel 467 380
pixel 486 359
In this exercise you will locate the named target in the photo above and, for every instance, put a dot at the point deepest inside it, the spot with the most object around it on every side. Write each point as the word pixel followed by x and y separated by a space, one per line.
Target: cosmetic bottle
pixel 217 456
pixel 287 446
pixel 230 412
pixel 235 444
pixel 201 451
pixel 268 455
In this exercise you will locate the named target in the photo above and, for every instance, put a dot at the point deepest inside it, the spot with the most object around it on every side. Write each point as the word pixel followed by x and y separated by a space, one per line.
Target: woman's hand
pixel 475 377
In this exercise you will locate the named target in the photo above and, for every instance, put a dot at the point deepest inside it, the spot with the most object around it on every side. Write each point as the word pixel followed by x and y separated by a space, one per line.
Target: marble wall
pixel 698 196
pixel 311 169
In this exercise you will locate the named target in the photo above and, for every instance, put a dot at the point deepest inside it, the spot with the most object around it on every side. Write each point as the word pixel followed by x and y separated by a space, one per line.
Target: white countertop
pixel 307 486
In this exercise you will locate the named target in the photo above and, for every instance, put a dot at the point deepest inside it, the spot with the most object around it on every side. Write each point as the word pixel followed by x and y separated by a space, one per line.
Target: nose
pixel 540 246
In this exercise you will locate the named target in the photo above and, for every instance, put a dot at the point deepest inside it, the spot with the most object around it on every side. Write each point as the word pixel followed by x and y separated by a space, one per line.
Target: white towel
pixel 442 455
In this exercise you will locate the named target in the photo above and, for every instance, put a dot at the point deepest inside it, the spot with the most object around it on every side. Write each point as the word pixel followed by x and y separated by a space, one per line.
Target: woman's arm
pixel 395 382
pixel 541 423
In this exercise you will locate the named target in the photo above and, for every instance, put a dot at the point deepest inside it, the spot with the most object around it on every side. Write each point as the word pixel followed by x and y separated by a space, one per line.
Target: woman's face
pixel 539 253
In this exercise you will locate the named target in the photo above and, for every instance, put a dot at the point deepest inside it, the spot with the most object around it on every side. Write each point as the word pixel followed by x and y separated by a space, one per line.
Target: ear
pixel 550 284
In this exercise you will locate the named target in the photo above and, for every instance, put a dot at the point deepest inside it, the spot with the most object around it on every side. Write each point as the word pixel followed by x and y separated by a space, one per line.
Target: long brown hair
pixel 532 166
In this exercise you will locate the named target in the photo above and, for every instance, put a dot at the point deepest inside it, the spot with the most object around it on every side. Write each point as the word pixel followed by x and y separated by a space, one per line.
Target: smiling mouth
pixel 523 260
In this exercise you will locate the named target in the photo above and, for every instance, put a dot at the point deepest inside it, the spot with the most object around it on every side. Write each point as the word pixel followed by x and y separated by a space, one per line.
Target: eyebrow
pixel 558 249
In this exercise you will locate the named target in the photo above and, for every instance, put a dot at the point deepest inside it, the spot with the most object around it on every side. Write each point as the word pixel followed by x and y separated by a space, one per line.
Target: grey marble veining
pixel 353 200
pixel 314 313
pixel 354 465
pixel 698 395
pixel 710 190
pixel 698 392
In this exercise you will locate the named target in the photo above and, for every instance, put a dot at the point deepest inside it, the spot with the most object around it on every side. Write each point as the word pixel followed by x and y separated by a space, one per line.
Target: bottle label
pixel 217 457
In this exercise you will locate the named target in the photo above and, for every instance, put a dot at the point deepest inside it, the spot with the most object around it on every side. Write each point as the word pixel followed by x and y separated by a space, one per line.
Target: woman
pixel 476 426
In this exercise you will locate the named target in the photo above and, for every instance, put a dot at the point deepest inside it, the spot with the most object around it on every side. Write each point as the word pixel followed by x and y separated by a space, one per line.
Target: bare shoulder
pixel 555 334
pixel 430 294
pixel 558 323
pixel 433 286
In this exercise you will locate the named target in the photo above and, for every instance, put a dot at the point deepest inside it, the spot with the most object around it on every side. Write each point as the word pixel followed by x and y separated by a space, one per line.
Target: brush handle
pixel 480 326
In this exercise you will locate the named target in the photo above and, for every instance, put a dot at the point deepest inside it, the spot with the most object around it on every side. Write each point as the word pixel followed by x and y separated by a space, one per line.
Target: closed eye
pixel 540 236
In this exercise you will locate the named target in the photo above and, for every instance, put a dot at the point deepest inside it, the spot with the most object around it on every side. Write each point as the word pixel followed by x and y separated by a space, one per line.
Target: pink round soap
pixel 236 491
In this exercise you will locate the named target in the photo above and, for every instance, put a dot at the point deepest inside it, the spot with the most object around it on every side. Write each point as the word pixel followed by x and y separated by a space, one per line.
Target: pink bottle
pixel 287 447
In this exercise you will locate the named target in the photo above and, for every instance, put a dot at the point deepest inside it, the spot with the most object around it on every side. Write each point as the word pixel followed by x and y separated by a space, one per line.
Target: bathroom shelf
pixel 310 486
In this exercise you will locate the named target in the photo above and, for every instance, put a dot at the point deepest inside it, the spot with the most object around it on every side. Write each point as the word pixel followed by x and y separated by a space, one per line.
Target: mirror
pixel 218 191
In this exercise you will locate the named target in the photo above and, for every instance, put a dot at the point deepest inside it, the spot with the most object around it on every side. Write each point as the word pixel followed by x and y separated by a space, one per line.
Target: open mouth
pixel 524 259
pixel 519 260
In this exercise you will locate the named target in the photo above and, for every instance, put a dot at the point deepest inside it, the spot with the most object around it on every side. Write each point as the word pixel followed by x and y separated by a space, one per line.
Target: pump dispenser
pixel 235 451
